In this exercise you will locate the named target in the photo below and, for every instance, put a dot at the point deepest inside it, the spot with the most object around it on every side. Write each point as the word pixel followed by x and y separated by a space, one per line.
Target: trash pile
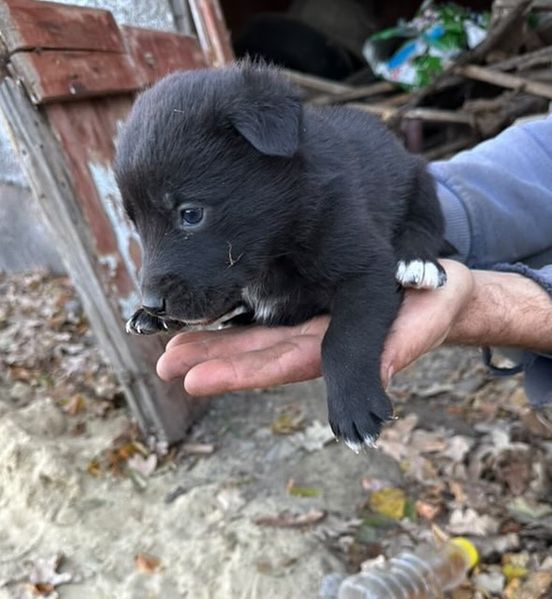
pixel 451 77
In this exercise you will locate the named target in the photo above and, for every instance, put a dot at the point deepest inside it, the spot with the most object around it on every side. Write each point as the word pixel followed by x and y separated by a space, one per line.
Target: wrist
pixel 504 309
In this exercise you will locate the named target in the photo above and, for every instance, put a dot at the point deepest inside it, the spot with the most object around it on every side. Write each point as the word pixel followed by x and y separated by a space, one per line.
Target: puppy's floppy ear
pixel 268 112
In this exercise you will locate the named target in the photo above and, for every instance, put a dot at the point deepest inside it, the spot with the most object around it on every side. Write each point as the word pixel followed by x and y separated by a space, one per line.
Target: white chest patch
pixel 263 307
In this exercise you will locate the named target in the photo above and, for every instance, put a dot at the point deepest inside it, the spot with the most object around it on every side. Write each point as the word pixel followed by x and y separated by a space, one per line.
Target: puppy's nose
pixel 153 304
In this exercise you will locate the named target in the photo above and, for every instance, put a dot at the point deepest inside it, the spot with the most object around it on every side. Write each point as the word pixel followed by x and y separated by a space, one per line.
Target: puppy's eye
pixel 190 216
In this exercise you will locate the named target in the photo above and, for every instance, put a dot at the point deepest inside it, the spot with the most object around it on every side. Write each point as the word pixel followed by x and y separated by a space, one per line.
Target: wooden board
pixel 28 24
pixel 162 410
pixel 68 75
pixel 156 53
pixel 214 37
pixel 82 87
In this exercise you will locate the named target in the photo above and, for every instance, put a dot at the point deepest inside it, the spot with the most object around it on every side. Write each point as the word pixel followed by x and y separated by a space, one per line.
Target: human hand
pixel 213 362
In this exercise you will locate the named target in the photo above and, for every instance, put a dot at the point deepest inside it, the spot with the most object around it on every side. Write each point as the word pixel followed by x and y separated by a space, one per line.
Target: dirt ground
pixel 260 501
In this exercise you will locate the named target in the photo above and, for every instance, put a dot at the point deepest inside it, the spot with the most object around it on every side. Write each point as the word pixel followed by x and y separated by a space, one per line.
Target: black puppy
pixel 245 199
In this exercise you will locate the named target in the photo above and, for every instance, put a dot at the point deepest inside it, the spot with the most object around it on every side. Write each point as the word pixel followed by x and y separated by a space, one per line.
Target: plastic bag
pixel 414 52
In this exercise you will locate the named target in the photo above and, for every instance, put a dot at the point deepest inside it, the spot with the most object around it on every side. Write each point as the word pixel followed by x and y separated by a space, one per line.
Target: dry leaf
pixel 146 563
pixel 457 491
pixel 41 588
pixel 389 502
pixel 314 437
pixel 94 467
pixel 44 578
pixel 537 586
pixel 428 511
pixel 457 447
pixel 288 422
pixel 428 441
pixel 297 491
pixel 145 467
pixel 75 405
pixel 512 571
pixel 287 520
pixel 197 449
pixel 468 521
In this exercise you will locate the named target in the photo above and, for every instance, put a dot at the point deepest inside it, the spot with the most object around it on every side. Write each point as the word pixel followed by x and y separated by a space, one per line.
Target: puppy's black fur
pixel 296 211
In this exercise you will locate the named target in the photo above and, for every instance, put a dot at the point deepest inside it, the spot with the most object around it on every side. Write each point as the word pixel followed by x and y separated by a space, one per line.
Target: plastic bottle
pixel 425 574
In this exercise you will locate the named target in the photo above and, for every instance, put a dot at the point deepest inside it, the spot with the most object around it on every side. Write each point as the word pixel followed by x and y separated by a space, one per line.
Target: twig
pixel 316 84
pixel 431 115
pixel 231 260
pixel 537 88
pixel 542 57
pixel 357 93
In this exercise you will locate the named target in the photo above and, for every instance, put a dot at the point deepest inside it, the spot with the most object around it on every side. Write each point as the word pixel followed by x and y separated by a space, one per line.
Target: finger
pixel 194 348
pixel 315 326
pixel 208 345
pixel 290 361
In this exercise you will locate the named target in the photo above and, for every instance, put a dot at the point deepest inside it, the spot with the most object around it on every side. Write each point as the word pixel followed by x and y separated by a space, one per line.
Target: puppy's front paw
pixel 358 421
pixel 420 274
pixel 142 323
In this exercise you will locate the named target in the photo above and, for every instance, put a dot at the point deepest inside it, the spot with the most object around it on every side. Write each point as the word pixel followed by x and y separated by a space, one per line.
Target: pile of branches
pixel 506 77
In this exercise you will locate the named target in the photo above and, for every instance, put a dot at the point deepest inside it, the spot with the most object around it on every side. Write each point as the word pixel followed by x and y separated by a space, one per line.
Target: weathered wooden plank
pixel 162 410
pixel 214 37
pixel 26 24
pixel 156 53
pixel 67 75
pixel 521 84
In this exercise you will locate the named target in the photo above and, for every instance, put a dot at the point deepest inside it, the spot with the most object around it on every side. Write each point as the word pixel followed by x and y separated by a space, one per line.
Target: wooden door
pixel 69 78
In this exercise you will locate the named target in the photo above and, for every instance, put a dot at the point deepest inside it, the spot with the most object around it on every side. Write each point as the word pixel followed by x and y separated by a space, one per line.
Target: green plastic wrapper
pixel 414 52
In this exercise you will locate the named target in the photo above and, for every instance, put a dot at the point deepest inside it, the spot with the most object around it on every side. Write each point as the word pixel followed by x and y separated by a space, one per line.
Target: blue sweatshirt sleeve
pixel 497 203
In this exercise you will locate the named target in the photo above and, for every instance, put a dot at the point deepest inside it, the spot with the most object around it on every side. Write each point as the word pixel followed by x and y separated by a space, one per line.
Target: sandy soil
pixel 187 525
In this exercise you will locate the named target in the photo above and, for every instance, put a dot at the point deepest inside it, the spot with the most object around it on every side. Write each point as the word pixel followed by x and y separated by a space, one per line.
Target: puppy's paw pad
pixel 420 274
pixel 142 323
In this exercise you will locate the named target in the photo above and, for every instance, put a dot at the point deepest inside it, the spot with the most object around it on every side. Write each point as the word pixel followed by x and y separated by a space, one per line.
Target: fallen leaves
pixel 44 577
pixel 127 455
pixel 46 344
pixel 469 522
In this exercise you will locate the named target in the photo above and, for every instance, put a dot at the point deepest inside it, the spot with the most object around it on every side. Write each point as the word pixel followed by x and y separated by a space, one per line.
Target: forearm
pixel 507 310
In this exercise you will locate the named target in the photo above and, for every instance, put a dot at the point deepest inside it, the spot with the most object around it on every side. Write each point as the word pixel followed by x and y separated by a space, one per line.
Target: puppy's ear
pixel 268 114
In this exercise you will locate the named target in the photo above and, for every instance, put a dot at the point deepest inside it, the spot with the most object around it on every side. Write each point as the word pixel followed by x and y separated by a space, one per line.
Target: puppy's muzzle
pixel 154 305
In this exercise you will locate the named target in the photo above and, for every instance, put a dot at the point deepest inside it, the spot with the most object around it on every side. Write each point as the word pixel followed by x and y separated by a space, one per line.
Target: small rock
pixel 20 391
pixel 490 582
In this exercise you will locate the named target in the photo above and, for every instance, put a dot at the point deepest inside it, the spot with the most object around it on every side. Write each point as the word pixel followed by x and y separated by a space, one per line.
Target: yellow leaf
pixel 389 502
pixel 288 422
pixel 512 571
pixel 297 491
pixel 75 405
pixel 94 468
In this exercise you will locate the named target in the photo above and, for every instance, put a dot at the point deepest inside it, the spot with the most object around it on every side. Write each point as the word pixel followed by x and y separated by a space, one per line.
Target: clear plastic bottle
pixel 425 574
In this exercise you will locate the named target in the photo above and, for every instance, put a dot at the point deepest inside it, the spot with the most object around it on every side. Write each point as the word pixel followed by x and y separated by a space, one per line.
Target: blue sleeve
pixel 497 203
pixel 497 199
